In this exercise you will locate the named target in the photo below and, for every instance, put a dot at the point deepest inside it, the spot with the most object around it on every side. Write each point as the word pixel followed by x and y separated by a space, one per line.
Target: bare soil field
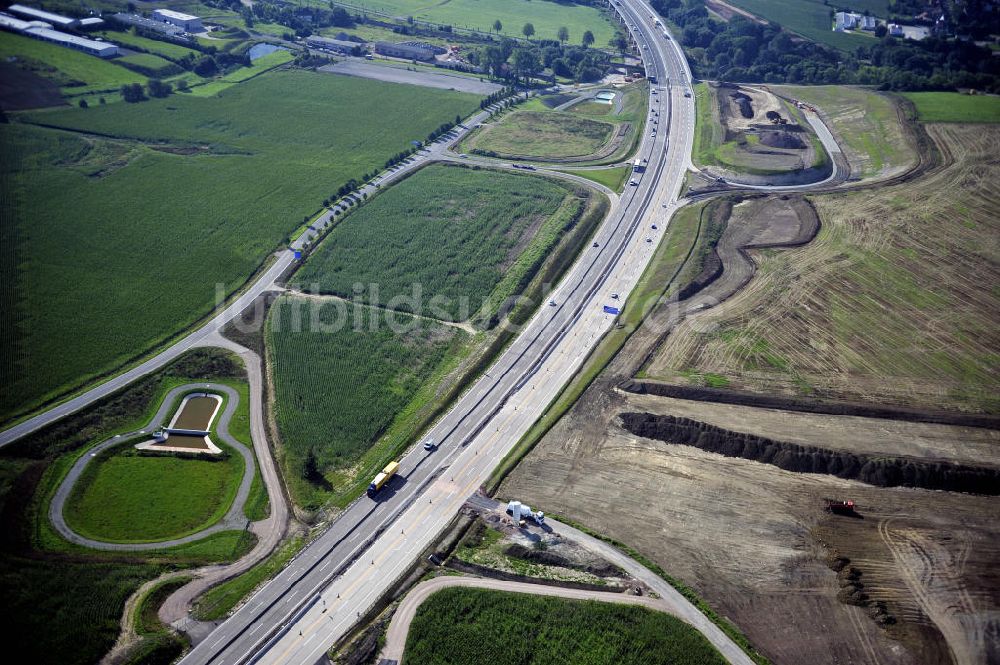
pixel 901 277
pixel 894 302
pixel 755 541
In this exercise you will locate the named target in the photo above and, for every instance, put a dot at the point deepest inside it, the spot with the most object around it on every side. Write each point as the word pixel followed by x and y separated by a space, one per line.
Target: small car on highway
pixel 430 444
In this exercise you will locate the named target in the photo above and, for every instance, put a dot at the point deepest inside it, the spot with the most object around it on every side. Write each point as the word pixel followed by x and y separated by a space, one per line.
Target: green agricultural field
pixel 150 65
pixel 129 236
pixel 480 627
pixel 811 18
pixel 613 178
pixel 128 497
pixel 166 50
pixel 342 376
pixel 542 135
pixel 546 16
pixel 74 72
pixel 866 124
pixel 955 107
pixel 462 248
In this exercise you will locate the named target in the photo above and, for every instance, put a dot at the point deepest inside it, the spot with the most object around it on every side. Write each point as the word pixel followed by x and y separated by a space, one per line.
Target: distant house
pixel 845 21
pixel 341 46
pixel 185 21
pixel 869 23
pixel 896 30
pixel 406 51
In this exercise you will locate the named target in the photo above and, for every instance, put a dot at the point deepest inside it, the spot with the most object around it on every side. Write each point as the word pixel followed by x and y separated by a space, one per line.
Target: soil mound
pixel 879 471
pixel 742 100
pixel 777 139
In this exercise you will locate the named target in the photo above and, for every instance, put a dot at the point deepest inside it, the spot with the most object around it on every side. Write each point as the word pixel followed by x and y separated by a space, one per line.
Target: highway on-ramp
pixel 321 593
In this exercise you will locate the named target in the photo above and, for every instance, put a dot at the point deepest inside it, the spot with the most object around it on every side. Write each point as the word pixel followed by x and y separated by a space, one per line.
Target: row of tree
pixel 522 61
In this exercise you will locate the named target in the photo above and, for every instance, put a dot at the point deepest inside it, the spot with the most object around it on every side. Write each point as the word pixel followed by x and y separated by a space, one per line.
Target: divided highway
pixel 322 592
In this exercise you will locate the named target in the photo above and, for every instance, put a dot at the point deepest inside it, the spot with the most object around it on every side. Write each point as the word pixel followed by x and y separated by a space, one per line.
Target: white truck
pixel 522 512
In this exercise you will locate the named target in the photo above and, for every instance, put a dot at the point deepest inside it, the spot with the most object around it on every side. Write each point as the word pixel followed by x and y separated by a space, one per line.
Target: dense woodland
pixel 743 50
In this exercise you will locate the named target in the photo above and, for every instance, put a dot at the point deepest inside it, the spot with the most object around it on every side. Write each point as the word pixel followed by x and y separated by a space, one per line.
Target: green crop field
pixel 459 248
pixel 955 107
pixel 864 120
pixel 483 627
pixel 338 389
pixel 128 497
pixel 148 64
pixel 128 240
pixel 540 134
pixel 163 49
pixel 811 18
pixel 546 16
pixel 74 72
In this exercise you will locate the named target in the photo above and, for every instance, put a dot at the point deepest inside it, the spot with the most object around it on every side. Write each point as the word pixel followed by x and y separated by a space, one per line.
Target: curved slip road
pixel 269 531
pixel 233 519
pixel 399 627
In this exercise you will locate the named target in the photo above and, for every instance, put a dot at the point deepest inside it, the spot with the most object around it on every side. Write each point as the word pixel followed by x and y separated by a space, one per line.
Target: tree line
pixel 742 50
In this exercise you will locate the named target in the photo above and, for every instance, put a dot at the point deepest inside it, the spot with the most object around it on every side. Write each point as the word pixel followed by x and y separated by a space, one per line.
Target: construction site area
pixel 803 432
pixel 751 135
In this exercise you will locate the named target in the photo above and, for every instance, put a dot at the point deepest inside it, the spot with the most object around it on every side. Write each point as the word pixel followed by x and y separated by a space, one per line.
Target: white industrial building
pixel 32 14
pixel 186 21
pixel 42 30
pixel 91 46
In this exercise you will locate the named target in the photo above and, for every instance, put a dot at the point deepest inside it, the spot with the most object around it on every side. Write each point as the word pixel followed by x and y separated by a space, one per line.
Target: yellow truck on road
pixel 381 479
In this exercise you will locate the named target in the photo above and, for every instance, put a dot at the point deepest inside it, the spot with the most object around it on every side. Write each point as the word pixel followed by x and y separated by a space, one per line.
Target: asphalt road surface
pixel 300 613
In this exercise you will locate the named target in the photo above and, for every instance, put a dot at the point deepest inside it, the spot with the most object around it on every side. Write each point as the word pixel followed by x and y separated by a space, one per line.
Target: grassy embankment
pixel 211 186
pixel 480 626
pixel 546 16
pixel 954 107
pixel 74 595
pixel 220 600
pixel 124 496
pixel 613 178
pixel 497 230
pixel 865 123
pixel 158 645
pixel 536 132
